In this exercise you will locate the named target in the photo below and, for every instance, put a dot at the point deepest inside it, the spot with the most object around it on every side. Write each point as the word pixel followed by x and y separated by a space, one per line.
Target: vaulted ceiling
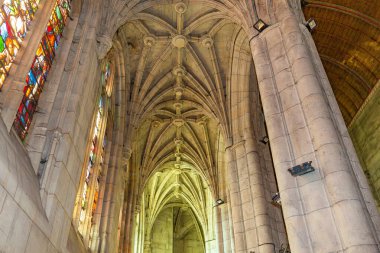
pixel 180 58
pixel 179 188
pixel 348 41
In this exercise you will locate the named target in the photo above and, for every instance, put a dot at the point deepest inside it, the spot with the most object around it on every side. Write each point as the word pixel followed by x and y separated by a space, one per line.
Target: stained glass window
pixel 41 65
pixel 15 19
pixel 89 192
pixel 106 76
pixel 92 161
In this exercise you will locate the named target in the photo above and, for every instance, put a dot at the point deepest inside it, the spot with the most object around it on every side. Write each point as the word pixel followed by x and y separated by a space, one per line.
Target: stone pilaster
pixel 225 244
pixel 251 223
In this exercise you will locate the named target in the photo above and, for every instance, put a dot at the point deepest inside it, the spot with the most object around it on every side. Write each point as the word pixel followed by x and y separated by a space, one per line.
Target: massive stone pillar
pixel 325 210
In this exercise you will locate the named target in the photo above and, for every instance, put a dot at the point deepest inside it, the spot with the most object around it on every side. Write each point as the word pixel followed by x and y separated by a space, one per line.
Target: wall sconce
pixel 299 170
pixel 260 25
pixel 264 140
pixel 276 200
pixel 311 24
pixel 219 202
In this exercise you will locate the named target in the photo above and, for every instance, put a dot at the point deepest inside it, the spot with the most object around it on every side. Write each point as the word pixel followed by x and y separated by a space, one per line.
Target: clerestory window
pixel 43 60
pixel 91 183
pixel 15 20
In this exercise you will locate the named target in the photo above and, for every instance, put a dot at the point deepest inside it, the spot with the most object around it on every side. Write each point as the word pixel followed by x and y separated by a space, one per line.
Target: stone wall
pixel 23 224
pixel 162 235
pixel 365 133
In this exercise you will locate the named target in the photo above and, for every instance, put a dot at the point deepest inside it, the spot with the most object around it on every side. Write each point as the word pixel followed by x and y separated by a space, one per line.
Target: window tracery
pixel 90 186
pixel 15 19
pixel 41 65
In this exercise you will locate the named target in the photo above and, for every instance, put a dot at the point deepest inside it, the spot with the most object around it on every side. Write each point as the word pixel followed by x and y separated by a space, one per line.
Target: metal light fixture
pixel 311 24
pixel 302 169
pixel 304 3
pixel 219 202
pixel 276 200
pixel 264 140
pixel 260 25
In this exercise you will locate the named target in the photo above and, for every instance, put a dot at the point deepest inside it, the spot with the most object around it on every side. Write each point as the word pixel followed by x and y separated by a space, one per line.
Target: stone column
pixel 225 244
pixel 147 246
pixel 251 223
pixel 324 211
pixel 236 212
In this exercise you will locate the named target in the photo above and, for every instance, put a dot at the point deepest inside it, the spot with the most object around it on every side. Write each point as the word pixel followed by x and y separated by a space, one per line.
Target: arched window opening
pixel 88 203
pixel 107 81
pixel 15 19
pixel 90 185
pixel 41 66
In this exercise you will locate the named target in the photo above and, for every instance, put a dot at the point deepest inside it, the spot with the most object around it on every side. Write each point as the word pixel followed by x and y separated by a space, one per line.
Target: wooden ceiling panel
pixel 348 40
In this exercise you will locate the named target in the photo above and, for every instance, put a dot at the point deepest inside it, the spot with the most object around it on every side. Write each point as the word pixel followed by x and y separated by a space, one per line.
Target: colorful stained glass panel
pixel 15 19
pixel 41 65
pixel 92 156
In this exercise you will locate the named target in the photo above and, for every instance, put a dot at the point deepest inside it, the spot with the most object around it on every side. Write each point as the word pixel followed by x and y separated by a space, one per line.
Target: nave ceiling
pixel 180 68
pixel 347 36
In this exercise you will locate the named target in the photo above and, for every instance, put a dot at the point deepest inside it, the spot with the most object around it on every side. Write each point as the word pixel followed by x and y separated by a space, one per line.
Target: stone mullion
pixel 92 182
pixel 102 184
pixel 301 129
pixel 90 199
pixel 94 175
pixel 77 208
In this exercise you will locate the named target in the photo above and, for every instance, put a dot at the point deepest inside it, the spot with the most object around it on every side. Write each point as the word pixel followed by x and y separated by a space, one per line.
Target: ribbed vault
pixel 347 38
pixel 179 69
pixel 186 192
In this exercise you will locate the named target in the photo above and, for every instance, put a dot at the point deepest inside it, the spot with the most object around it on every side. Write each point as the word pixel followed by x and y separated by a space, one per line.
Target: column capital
pixel 233 146
pixel 104 44
pixel 127 152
